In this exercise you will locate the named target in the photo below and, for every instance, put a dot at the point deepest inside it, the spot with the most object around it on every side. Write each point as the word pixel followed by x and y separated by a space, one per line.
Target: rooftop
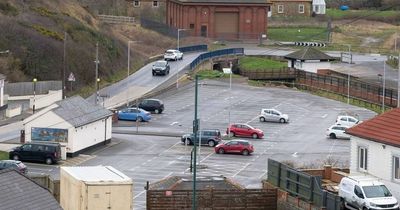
pixel 97 174
pixel 309 53
pixel 226 1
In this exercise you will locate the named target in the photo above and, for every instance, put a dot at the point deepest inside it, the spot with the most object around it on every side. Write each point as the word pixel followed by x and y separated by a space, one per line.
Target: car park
pixel 337 131
pixel 152 105
pixel 14 164
pixel 37 151
pixel 273 115
pixel 135 114
pixel 172 54
pixel 244 130
pixel 365 192
pixel 235 146
pixel 160 68
pixel 210 137
pixel 347 120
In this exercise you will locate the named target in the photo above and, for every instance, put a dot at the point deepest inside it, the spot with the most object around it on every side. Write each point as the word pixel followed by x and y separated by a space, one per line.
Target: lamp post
pixel 229 71
pixel 382 79
pixel 34 95
pixel 179 30
pixel 97 90
pixel 348 73
pixel 97 80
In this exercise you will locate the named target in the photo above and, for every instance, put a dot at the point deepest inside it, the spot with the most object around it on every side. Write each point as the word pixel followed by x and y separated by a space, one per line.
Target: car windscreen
pixel 159 64
pixel 251 127
pixel 376 191
pixel 169 52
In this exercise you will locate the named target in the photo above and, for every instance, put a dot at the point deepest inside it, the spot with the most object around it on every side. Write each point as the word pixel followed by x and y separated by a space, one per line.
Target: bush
pixel 49 33
pixel 8 9
pixel 43 11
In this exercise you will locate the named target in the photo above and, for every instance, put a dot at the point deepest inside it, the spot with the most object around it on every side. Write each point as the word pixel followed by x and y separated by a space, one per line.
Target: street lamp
pixel 97 90
pixel 229 71
pixel 34 94
pixel 348 72
pixel 179 30
pixel 129 67
pixel 382 79
pixel 97 80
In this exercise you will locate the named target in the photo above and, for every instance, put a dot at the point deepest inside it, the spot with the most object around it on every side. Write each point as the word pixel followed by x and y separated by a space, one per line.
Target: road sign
pixel 71 77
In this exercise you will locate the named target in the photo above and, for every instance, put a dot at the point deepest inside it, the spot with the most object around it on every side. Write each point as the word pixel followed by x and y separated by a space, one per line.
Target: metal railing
pixel 213 54
pixel 117 19
pixel 194 48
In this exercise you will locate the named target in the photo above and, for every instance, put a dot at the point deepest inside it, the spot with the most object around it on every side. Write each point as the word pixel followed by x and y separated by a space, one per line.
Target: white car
pixel 273 115
pixel 347 120
pixel 173 55
pixel 337 131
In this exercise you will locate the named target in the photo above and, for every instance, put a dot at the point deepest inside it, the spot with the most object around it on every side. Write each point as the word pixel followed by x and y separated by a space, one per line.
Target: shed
pixel 95 188
pixel 73 122
pixel 20 192
pixel 309 59
pixel 319 7
pixel 375 149
pixel 222 19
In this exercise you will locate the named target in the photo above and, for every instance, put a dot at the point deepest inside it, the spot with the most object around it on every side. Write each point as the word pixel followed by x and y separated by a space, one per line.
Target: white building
pixel 319 7
pixel 375 149
pixel 309 59
pixel 73 122
pixel 2 80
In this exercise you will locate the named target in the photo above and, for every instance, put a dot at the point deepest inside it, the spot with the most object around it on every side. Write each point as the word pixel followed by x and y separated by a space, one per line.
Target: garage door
pixel 227 24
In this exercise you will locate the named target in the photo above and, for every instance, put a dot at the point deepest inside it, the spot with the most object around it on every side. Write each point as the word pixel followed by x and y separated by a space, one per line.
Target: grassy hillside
pixel 34 32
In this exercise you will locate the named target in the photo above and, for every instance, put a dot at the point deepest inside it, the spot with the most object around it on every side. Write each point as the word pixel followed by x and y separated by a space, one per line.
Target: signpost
pixel 71 78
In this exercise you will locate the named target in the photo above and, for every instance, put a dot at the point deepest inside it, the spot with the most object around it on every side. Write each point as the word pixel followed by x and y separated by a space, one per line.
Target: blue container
pixel 344 7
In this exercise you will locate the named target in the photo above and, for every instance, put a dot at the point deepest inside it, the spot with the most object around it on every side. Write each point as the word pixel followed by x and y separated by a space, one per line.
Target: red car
pixel 245 130
pixel 235 146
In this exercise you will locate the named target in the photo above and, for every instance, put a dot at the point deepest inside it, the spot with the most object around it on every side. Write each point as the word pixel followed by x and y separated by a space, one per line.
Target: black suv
pixel 152 105
pixel 160 67
pixel 210 137
pixel 44 152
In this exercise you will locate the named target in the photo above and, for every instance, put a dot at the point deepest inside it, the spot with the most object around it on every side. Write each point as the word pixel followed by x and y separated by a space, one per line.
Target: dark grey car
pixel 210 137
pixel 160 67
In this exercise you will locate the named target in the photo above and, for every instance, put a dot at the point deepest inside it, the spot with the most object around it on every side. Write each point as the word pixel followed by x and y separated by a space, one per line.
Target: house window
pixel 396 168
pixel 301 8
pixel 280 8
pixel 316 9
pixel 136 3
pixel 155 4
pixel 362 158
pixel 191 26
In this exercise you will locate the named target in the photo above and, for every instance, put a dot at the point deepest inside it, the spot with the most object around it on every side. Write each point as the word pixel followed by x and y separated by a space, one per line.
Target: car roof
pixel 339 116
pixel 339 125
pixel 161 61
pixel 172 50
pixel 10 161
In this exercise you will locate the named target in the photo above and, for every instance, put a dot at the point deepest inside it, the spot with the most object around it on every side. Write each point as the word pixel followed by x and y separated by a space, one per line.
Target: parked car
pixel 152 105
pixel 245 130
pixel 160 67
pixel 47 152
pixel 210 137
pixel 347 120
pixel 337 131
pixel 134 113
pixel 173 55
pixel 235 146
pixel 364 192
pixel 273 115
pixel 14 164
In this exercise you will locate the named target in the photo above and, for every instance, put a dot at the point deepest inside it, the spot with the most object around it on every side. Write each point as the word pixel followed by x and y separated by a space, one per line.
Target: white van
pixel 366 193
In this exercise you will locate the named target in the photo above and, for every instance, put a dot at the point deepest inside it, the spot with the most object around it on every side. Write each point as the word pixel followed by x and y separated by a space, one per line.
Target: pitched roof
pixel 309 53
pixel 19 192
pixel 226 1
pixel 383 128
pixel 202 183
pixel 77 111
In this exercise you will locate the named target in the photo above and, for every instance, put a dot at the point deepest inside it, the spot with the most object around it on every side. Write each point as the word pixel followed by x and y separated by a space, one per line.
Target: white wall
pixel 311 65
pixel 45 100
pixel 379 161
pixel 89 135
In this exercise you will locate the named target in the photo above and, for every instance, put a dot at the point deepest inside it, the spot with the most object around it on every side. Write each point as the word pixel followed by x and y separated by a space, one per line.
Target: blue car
pixel 134 114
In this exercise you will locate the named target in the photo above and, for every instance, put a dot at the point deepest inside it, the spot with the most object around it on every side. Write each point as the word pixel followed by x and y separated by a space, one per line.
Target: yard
pixel 3 155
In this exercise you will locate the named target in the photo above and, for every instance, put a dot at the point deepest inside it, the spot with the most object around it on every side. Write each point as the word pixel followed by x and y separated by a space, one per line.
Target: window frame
pixel 280 8
pixel 362 158
pixel 301 8
pixel 394 168
pixel 155 3
pixel 136 3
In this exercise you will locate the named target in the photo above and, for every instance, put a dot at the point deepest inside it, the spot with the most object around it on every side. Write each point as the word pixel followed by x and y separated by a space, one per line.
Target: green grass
pixel 255 63
pixel 8 9
pixel 297 34
pixel 339 14
pixel 213 74
pixel 3 155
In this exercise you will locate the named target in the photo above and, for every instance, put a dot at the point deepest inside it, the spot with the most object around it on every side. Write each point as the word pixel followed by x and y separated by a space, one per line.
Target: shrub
pixel 8 9
pixel 46 32
pixel 43 11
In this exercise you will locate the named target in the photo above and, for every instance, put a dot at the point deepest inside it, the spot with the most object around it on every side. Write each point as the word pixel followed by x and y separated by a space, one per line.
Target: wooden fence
pixel 213 199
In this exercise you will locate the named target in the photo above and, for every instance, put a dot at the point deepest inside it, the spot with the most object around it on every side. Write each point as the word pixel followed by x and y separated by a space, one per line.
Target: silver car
pixel 273 115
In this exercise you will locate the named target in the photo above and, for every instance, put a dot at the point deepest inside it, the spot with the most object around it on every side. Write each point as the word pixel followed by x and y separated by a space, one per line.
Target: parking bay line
pixel 145 190
pixel 244 167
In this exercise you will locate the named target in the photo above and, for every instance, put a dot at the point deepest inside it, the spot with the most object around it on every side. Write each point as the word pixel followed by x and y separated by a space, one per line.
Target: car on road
pixel 347 120
pixel 135 114
pixel 235 146
pixel 337 131
pixel 160 67
pixel 173 55
pixel 273 115
pixel 210 137
pixel 244 130
pixel 152 105
pixel 44 152
pixel 14 164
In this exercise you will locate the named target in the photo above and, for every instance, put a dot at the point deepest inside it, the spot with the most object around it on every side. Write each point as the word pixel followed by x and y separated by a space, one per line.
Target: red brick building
pixel 229 19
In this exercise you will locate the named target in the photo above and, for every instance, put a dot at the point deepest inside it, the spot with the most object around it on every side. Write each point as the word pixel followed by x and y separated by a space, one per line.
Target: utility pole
pixel 97 74
pixel 383 88
pixel 64 63
pixel 195 130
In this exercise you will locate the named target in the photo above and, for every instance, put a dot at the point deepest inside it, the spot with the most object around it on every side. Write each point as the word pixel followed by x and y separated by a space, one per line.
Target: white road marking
pixel 174 123
pixel 324 116
pixel 145 190
pixel 295 155
pixel 262 175
pixel 244 167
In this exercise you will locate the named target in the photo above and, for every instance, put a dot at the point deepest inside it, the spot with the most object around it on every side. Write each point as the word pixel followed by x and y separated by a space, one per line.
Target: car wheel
pixel 15 157
pixel 188 142
pixel 262 119
pixel 221 151
pixel 140 119
pixel 245 152
pixel 211 143
pixel 176 59
pixel 49 161
pixel 254 135
pixel 157 111
pixel 332 136
pixel 282 120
